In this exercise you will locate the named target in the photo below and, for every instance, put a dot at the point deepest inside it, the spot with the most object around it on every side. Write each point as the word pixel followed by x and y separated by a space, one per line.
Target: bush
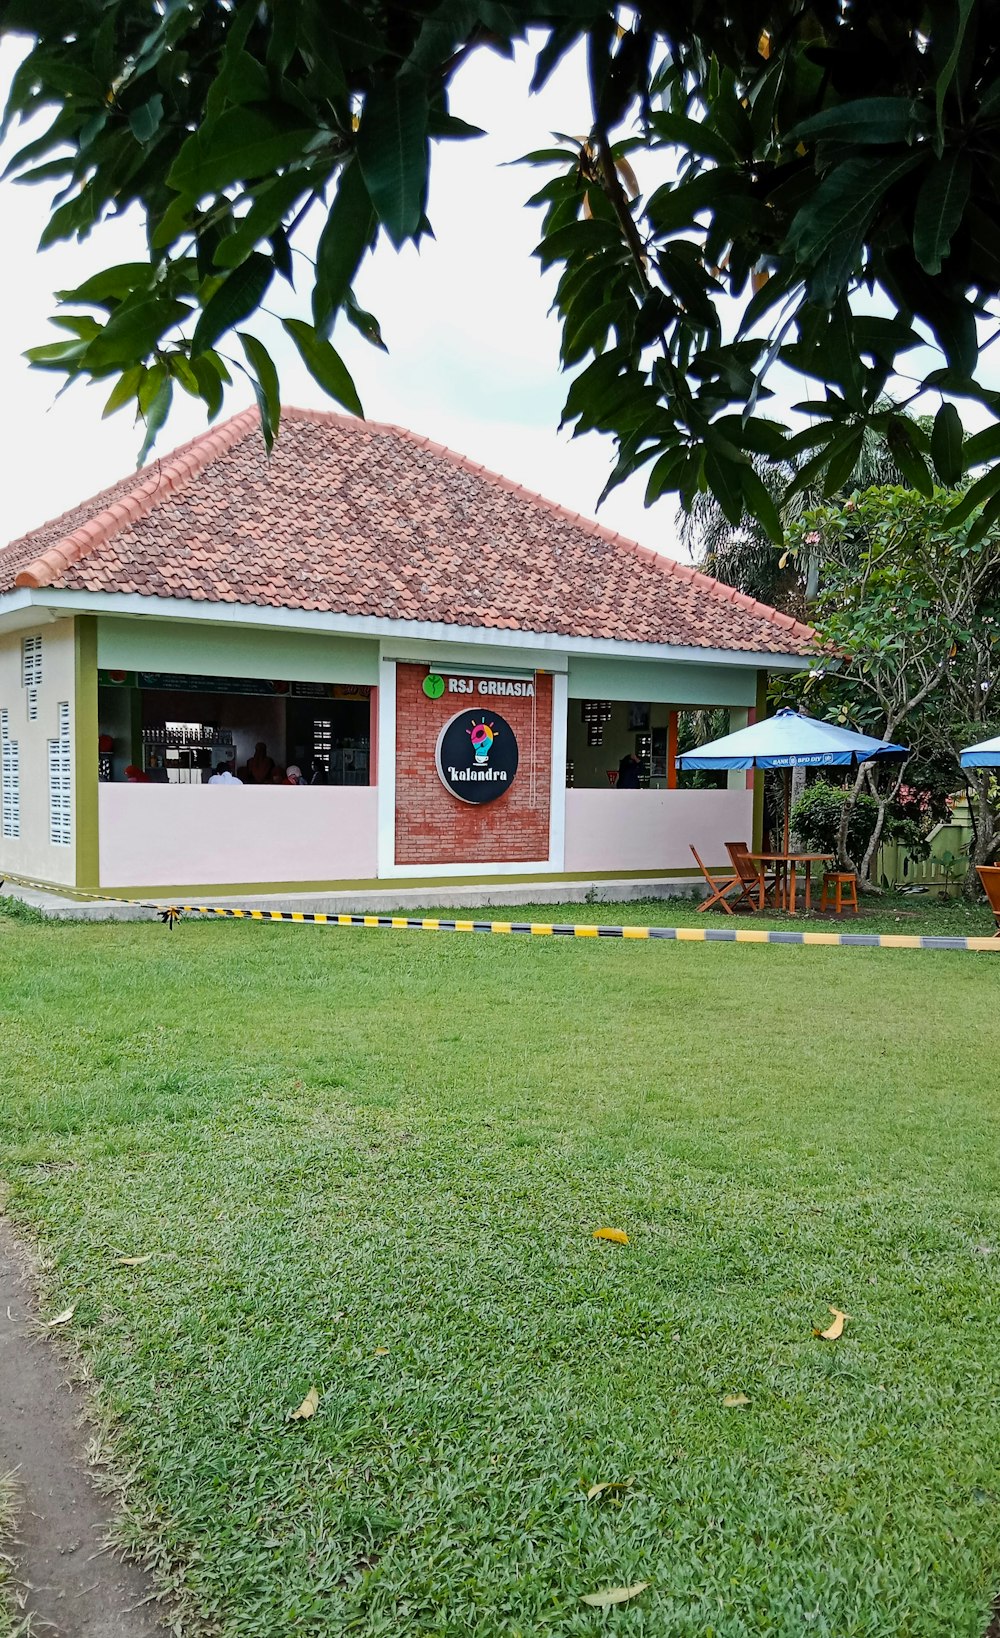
pixel 816 820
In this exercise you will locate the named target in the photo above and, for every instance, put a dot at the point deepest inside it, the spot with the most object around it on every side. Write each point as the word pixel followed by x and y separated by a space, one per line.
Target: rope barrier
pixel 169 914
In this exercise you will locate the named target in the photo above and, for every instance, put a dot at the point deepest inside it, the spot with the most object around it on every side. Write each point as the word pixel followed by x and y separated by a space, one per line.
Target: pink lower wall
pixel 653 830
pixel 185 835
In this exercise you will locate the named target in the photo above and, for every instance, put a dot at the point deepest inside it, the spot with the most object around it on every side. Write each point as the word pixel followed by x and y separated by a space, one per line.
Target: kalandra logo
pixel 477 756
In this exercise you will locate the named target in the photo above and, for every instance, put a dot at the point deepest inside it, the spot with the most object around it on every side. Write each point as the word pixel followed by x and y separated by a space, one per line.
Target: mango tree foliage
pixel 910 605
pixel 794 156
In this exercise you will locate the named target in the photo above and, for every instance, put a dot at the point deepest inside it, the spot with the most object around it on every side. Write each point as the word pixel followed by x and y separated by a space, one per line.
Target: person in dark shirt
pixel 629 769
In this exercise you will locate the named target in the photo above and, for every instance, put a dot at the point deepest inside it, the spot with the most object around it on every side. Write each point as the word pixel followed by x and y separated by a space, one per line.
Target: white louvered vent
pixel 31 662
pixel 31 673
pixel 10 778
pixel 61 783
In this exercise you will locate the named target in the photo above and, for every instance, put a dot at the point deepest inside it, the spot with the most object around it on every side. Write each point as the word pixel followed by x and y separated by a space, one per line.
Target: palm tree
pixel 741 555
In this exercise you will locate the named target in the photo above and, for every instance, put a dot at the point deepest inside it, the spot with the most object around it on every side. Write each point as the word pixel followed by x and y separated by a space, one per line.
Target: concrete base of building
pixel 383 902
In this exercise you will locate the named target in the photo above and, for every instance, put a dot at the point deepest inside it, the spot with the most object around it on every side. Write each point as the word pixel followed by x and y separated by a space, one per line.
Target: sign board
pixel 488 688
pixel 477 756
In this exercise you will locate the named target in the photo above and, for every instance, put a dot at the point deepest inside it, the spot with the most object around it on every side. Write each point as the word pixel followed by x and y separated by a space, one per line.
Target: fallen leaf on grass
pixel 613 1595
pixel 307 1407
pixel 835 1330
pixel 133 1262
pixel 609 1485
pixel 63 1318
pixel 733 1400
pixel 381 1351
pixel 619 1236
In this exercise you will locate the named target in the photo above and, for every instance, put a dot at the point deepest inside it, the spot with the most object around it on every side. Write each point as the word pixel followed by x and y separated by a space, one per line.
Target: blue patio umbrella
pixel 788 740
pixel 984 755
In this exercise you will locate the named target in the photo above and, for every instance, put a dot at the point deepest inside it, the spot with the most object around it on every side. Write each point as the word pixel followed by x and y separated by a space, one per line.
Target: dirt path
pixel 74 1590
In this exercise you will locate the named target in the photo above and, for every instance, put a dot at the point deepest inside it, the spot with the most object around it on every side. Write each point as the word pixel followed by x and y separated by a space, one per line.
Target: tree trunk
pixel 844 860
pixel 798 790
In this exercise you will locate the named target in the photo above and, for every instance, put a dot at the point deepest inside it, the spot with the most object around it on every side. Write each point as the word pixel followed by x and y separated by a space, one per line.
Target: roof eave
pixel 26 605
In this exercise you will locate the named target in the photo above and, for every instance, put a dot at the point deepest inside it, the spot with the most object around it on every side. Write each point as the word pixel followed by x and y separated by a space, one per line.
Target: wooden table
pixel 787 864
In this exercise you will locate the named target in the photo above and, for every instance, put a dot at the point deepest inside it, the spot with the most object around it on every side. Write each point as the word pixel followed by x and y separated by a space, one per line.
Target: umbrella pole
pixel 788 804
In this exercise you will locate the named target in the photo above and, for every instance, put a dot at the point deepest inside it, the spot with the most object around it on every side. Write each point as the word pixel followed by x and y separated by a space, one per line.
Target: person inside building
pixel 224 775
pixel 318 773
pixel 629 770
pixel 294 775
pixel 260 766
pixel 279 777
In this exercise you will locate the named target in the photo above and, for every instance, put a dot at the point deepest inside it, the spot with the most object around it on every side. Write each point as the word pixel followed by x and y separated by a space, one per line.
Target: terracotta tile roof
pixel 352 517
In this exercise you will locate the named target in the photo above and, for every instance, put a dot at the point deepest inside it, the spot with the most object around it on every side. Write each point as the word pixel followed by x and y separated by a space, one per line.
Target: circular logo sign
pixel 477 756
pixel 433 686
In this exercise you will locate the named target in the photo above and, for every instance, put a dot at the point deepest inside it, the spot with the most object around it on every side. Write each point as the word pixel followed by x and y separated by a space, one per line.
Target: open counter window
pixel 174 728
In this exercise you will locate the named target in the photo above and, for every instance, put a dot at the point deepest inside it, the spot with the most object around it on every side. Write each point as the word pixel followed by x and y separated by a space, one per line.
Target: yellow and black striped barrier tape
pixel 171 913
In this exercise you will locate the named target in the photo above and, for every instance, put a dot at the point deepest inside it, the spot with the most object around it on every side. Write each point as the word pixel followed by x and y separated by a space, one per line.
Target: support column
pixel 672 721
pixel 85 729
pixel 758 774
pixel 739 717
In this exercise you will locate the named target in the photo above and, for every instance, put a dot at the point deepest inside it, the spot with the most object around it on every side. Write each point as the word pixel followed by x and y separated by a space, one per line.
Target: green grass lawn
pixel 372 1162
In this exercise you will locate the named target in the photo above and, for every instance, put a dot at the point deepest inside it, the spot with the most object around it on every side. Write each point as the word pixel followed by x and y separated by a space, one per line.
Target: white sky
pixel 473 359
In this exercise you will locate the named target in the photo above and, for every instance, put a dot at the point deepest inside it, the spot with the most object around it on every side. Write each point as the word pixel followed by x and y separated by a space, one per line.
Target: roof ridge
pixel 666 565
pixel 182 464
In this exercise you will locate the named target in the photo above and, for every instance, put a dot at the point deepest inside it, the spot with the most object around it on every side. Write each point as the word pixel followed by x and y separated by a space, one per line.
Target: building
pixel 465 663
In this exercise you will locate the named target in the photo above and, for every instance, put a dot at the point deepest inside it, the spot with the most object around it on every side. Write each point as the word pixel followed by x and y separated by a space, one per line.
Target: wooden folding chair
pixel 989 875
pixel 719 889
pixel 756 883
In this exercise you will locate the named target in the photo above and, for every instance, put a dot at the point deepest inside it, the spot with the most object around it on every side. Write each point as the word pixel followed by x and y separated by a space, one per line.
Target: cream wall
pixel 32 854
pixel 164 836
pixel 653 830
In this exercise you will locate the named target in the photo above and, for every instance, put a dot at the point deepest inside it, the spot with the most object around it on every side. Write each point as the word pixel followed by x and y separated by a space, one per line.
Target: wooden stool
pixel 840 885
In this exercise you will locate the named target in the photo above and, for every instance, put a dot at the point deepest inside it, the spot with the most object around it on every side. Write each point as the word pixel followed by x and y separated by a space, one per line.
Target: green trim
pixel 758 778
pixel 85 732
pixel 387 884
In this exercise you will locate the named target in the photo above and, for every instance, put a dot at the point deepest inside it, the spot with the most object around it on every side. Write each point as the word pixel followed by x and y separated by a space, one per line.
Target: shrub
pixel 816 820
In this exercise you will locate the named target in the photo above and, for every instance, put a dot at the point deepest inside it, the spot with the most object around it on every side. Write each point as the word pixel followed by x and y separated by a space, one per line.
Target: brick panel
pixel 434 827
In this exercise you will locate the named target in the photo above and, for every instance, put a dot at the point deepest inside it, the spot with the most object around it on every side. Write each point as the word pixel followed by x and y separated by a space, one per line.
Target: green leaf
pixel 240 145
pixel 124 390
pixel 145 121
pixel 831 226
pixel 349 231
pixel 692 134
pixel 366 323
pixel 725 480
pixel 155 416
pixel 981 492
pixel 982 446
pixel 112 284
pixel 904 451
pixel 392 152
pixel 664 474
pixel 954 324
pixel 982 525
pixel 863 122
pixel 962 10
pixel 236 298
pixel 843 458
pixel 267 211
pixel 760 505
pixel 265 385
pixel 324 364
pixel 940 206
pixel 134 328
pixel 210 373
pixel 946 445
